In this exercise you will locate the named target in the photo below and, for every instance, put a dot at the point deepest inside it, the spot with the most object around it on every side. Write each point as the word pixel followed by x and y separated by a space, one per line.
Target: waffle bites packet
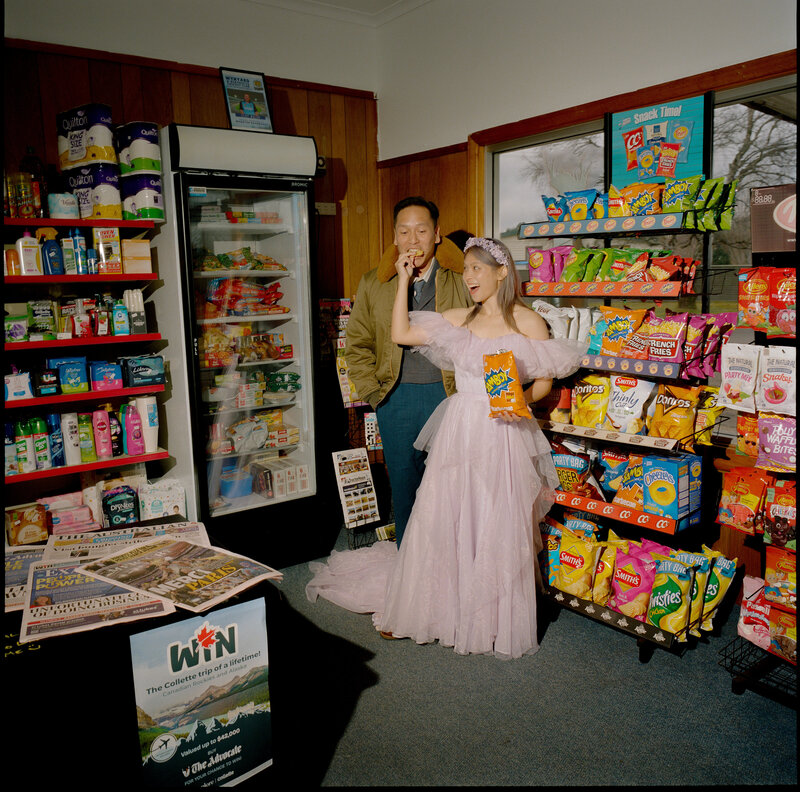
pixel 503 385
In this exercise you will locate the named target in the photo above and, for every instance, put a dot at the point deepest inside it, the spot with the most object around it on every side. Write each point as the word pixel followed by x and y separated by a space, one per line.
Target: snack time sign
pixel 656 143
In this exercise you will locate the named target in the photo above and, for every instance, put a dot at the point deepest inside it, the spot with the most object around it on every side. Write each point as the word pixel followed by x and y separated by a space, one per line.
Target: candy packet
pixel 503 385
pixel 627 404
pixel 747 434
pixel 777 380
pixel 590 396
pixel 780 577
pixel 754 302
pixel 753 624
pixel 782 319
pixel 739 376
pixel 671 597
pixel 777 442
pixel 632 585
pixel 780 515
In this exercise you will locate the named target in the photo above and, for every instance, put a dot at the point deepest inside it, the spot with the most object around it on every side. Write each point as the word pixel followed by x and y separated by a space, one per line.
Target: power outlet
pixel 326 208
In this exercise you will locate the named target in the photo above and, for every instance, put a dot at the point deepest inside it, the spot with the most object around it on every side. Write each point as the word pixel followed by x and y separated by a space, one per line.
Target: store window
pixel 755 143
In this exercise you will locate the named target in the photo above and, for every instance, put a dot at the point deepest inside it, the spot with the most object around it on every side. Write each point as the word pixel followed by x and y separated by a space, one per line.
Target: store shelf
pixel 656 224
pixel 642 441
pixel 244 228
pixel 652 290
pixel 625 514
pixel 750 666
pixel 271 317
pixel 94 222
pixel 637 368
pixel 119 461
pixel 242 273
pixel 69 398
pixel 278 447
pixel 21 346
pixel 250 363
pixel 247 502
pixel 43 280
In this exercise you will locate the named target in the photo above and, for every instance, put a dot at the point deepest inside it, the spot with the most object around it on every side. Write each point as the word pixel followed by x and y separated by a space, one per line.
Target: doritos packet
pixel 675 410
pixel 590 395
pixel 503 385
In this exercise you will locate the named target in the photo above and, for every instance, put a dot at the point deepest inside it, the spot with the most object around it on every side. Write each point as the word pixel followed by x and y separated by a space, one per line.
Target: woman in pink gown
pixel 466 574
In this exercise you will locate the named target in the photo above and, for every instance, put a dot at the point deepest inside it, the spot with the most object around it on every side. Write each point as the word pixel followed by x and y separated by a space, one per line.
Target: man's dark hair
pixel 417 200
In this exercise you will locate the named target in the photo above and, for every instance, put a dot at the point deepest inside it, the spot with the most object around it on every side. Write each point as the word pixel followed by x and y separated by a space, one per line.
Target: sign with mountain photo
pixel 202 698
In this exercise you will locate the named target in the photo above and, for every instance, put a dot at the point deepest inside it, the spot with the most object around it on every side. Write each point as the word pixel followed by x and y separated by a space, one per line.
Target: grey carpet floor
pixel 583 711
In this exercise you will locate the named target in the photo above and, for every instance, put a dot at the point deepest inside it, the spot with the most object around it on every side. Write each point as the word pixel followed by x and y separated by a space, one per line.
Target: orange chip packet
pixel 503 385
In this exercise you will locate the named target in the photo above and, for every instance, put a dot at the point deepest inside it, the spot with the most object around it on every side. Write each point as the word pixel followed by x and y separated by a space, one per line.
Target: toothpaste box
pixel 666 486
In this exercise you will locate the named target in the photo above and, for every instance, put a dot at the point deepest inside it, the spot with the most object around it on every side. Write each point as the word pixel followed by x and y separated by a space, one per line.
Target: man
pixel 401 385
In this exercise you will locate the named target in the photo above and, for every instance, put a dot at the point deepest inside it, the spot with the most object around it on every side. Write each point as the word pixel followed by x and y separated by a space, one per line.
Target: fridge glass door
pixel 250 274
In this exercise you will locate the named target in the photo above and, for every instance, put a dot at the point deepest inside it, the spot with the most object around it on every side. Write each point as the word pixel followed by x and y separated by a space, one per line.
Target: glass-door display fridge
pixel 244 249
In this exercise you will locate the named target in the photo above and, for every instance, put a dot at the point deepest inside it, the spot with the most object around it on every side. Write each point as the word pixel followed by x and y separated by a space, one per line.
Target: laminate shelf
pixel 67 470
pixel 106 277
pixel 21 346
pixel 95 395
pixel 73 222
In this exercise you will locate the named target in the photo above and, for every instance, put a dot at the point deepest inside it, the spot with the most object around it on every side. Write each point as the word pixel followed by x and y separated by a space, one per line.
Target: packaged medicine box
pixel 107 245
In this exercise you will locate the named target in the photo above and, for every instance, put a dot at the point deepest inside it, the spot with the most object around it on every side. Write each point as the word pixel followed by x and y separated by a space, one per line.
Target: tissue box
pixel 136 255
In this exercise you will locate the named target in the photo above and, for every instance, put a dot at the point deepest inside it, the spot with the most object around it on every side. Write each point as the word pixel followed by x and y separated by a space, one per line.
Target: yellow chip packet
pixel 604 572
pixel 589 400
pixel 720 577
pixel 577 558
pixel 671 598
pixel 503 385
pixel 702 565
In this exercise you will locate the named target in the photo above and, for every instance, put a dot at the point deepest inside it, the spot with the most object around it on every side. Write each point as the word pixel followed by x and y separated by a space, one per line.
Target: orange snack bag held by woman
pixel 467 569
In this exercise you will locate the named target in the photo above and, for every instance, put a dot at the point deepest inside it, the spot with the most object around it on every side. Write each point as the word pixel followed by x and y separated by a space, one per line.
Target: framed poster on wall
pixel 246 100
pixel 671 140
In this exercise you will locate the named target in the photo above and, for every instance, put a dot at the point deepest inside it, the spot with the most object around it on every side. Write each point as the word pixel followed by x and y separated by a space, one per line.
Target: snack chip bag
pixel 671 598
pixel 632 584
pixel 696 330
pixel 724 213
pixel 556 207
pixel 558 319
pixel 754 300
pixel 643 199
pixel 633 140
pixel 540 265
pixel 590 395
pixel 503 385
pixel 627 403
pixel 577 561
pixel 616 203
pixel 580 525
pixel 579 203
pixel 708 412
pixel 595 337
pixel 613 463
pixel 556 405
pixel 620 324
pixel 739 376
pixel 680 132
pixel 782 321
pixel 560 254
pixel 600 206
pixel 667 336
pixel 720 577
pixel 708 195
pixel 575 265
pixel 604 573
pixel 637 346
pixel 668 159
pixel 675 412
pixel 656 547
pixel 679 194
pixel 593 265
pixel 630 491
pixel 777 443
pixel 551 531
pixel 777 380
pixel 701 565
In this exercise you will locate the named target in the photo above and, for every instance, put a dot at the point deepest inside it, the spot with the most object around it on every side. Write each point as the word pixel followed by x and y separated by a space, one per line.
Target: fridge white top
pixel 210 149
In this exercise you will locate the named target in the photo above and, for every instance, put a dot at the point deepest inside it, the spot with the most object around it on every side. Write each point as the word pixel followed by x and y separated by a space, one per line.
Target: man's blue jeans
pixel 400 419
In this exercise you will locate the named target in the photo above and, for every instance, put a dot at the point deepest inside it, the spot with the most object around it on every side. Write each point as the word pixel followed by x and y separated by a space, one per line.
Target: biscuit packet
pixel 674 413
pixel 701 565
pixel 590 396
pixel 632 584
pixel 630 491
pixel 671 597
pixel 503 385
pixel 720 578
pixel 577 561
pixel 621 323
pixel 627 404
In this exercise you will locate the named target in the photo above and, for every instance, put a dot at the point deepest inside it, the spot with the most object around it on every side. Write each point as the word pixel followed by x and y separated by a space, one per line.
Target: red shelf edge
pixel 88 396
pixel 92 222
pixel 92 341
pixel 20 478
pixel 115 277
pixel 632 516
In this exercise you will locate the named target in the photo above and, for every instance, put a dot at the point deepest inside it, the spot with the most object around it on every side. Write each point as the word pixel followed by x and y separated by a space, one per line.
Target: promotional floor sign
pixel 202 698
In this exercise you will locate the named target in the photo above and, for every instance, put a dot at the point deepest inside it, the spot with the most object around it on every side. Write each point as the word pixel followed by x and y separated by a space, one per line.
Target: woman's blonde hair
pixel 495 254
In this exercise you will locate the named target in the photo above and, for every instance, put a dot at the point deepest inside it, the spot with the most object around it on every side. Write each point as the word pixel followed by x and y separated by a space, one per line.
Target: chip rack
pixel 752 667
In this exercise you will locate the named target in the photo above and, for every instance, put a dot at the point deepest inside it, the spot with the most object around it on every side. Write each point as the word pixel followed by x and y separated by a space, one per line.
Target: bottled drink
pixel 23 192
pixel 33 167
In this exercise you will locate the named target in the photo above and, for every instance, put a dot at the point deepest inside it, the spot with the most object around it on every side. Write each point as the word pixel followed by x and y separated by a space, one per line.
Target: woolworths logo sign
pixel 207 645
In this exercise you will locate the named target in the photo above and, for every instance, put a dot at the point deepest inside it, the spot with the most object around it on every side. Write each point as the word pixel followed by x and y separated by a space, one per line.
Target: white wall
pixel 507 60
pixel 233 33
pixel 446 69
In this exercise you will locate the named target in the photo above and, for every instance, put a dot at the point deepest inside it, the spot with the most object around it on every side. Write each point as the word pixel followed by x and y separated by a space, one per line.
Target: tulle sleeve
pixel 442 340
pixel 554 359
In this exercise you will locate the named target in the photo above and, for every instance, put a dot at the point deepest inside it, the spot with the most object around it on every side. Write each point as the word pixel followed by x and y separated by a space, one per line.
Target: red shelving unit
pixel 99 465
pixel 93 222
pixel 68 398
pixel 43 280
pixel 21 346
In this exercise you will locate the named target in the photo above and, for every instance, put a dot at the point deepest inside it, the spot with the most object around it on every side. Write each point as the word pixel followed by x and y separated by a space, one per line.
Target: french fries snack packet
pixel 604 573
pixel 701 564
pixel 630 491
pixel 675 412
pixel 627 403
pixel 577 560
pixel 719 580
pixel 620 324
pixel 667 337
pixel 632 584
pixel 670 600
pixel 590 395
pixel 503 385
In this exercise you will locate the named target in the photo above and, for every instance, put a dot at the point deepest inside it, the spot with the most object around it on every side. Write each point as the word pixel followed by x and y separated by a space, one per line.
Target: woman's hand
pixel 508 417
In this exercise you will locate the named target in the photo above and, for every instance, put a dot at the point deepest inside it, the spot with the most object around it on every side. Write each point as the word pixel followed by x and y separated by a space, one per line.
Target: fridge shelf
pixel 75 342
pixel 274 317
pixel 282 447
pixel 39 280
pixel 235 410
pixel 249 363
pixel 119 461
pixel 69 398
pixel 244 228
pixel 247 502
pixel 242 273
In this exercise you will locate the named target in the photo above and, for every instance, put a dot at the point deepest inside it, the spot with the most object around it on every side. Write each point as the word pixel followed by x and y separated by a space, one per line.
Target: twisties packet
pixel 503 385
pixel 590 395
pixel 577 561
pixel 627 404
pixel 671 598
pixel 701 565
pixel 675 412
pixel 719 580
pixel 630 491
pixel 632 585
pixel 620 324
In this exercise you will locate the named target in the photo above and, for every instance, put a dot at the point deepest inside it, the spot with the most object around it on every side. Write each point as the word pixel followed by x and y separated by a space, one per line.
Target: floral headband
pixel 490 246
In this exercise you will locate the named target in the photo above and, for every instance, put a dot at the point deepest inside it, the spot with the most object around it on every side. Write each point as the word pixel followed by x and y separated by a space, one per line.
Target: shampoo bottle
pixel 11 451
pixel 56 440
pixel 86 438
pixel 41 443
pixel 115 428
pixel 133 431
pixel 30 255
pixel 69 432
pixel 102 434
